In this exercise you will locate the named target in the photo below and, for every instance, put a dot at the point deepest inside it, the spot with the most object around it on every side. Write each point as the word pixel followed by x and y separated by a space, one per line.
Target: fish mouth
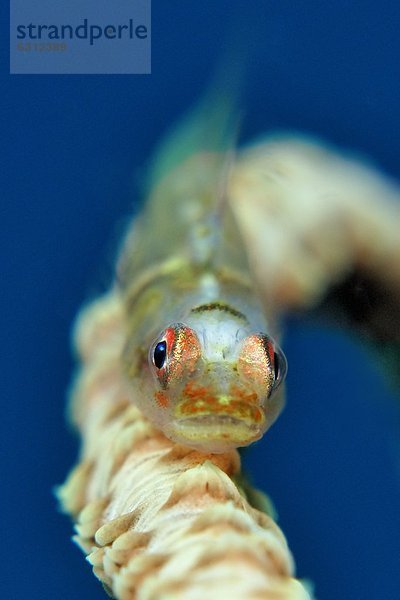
pixel 226 407
pixel 217 428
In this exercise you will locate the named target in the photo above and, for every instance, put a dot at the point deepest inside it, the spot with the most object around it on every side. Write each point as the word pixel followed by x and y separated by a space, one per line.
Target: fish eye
pixel 280 368
pixel 160 354
pixel 276 366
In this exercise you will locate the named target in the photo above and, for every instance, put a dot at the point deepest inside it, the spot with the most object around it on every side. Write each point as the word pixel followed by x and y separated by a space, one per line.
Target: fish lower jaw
pixel 214 433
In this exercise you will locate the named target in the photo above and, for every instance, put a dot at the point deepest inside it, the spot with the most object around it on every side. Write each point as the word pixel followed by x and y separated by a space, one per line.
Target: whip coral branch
pixel 310 215
pixel 158 520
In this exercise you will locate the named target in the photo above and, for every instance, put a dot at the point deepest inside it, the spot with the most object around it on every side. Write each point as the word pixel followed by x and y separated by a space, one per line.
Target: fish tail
pixel 211 126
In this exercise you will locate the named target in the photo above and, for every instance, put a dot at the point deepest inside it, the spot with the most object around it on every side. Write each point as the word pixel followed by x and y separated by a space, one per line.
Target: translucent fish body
pixel 200 359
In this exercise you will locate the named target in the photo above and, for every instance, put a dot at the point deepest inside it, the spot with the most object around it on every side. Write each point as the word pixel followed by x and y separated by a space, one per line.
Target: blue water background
pixel 73 150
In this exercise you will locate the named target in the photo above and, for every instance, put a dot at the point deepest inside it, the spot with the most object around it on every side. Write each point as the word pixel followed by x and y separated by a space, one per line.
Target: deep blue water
pixel 73 148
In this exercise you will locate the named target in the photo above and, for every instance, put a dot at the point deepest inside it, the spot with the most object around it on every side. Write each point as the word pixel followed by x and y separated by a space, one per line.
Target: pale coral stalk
pixel 160 521
pixel 157 520
pixel 309 216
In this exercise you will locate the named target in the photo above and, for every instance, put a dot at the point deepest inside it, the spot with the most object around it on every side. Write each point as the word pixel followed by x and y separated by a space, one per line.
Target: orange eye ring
pixel 262 362
pixel 175 352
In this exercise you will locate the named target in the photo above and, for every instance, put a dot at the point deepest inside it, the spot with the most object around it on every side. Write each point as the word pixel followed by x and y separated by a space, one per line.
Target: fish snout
pixel 219 391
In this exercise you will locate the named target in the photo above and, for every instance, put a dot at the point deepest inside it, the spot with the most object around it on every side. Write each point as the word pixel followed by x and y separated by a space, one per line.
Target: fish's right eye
pixel 160 354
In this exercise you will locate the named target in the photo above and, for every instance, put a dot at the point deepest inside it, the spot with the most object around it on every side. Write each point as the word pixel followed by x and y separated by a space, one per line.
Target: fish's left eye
pixel 276 366
pixel 280 368
pixel 160 354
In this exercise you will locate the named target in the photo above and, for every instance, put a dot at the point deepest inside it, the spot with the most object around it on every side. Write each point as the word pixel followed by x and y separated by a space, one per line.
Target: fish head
pixel 214 387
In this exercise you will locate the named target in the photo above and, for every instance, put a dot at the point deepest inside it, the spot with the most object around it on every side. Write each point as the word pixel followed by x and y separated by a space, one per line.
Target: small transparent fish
pixel 200 358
